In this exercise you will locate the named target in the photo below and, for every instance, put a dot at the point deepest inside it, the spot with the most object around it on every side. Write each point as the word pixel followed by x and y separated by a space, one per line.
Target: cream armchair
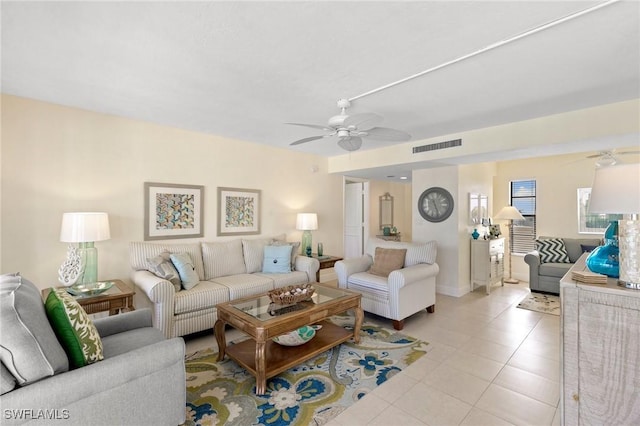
pixel 404 292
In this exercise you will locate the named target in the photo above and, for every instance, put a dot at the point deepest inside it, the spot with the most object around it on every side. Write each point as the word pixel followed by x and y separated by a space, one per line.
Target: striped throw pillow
pixel 552 250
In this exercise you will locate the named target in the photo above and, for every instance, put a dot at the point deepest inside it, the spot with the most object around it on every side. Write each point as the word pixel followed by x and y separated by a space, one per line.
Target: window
pixel 523 232
pixel 591 223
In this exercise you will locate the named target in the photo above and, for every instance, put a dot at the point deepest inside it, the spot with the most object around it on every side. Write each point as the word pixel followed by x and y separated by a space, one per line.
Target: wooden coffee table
pixel 262 320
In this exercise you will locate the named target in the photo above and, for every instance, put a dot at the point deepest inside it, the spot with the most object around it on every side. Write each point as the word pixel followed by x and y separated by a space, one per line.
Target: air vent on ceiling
pixel 439 145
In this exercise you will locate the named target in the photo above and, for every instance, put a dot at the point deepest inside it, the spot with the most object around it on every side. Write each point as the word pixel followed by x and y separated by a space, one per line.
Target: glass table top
pixel 263 309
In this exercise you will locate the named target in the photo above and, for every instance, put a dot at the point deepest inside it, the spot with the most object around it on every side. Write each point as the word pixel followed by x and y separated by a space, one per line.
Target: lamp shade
pixel 509 213
pixel 307 221
pixel 84 227
pixel 616 190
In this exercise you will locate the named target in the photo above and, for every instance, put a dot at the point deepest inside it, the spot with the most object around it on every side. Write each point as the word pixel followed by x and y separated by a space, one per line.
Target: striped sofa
pixel 227 270
pixel 404 292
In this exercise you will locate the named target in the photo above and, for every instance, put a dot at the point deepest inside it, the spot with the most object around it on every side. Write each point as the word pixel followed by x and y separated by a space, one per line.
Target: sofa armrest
pixel 162 294
pixel 73 388
pixel 345 268
pixel 532 259
pixel 157 289
pixel 123 322
pixel 412 274
pixel 308 265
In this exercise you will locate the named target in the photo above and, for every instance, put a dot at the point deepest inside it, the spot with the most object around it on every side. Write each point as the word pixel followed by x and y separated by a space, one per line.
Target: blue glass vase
pixel 604 259
pixel 475 234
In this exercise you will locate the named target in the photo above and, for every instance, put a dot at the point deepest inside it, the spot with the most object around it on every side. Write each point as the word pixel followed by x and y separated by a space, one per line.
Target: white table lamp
pixel 81 266
pixel 616 190
pixel 306 222
pixel 509 213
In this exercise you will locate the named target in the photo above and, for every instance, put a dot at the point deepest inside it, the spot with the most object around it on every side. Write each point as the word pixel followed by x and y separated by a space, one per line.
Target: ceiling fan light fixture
pixel 606 162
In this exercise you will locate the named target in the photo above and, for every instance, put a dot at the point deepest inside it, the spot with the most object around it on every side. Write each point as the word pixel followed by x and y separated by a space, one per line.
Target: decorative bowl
pixel 297 337
pixel 91 289
pixel 291 294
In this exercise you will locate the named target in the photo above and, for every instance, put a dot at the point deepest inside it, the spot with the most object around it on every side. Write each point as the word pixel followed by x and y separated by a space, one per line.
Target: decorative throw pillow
pixel 162 267
pixel 75 330
pixel 277 259
pixel 29 348
pixel 253 252
pixel 387 260
pixel 587 248
pixel 552 250
pixel 186 269
pixel 295 249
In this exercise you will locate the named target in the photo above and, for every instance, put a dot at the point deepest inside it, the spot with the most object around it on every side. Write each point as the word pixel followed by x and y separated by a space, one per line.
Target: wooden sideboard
pixel 600 352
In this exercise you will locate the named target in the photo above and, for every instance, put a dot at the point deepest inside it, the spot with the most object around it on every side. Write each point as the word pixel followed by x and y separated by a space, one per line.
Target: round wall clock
pixel 435 204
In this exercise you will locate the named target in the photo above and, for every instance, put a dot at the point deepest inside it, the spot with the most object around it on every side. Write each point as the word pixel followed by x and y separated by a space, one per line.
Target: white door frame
pixel 365 212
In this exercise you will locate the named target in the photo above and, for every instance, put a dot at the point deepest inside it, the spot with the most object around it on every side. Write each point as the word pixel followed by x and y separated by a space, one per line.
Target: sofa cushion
pixel 290 278
pixel 277 259
pixel 243 285
pixel 203 296
pixel 186 269
pixel 29 349
pixel 140 251
pixel 554 269
pixel 162 267
pixel 130 340
pixel 387 260
pixel 7 381
pixel 369 281
pixel 416 252
pixel 74 328
pixel 552 250
pixel 253 251
pixel 223 259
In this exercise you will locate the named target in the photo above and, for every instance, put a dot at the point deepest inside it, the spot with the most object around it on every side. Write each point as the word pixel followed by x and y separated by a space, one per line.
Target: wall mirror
pixel 478 208
pixel 386 210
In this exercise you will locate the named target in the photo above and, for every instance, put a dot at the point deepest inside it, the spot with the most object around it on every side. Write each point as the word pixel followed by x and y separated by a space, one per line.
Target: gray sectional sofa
pixel 545 277
pixel 226 270
pixel 140 381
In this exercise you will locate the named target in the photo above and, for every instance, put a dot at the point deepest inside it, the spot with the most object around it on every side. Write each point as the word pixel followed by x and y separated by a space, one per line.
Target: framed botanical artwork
pixel 173 211
pixel 238 211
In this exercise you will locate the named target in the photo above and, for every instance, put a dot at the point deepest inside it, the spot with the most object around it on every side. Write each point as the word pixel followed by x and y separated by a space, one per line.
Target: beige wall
pixel 57 159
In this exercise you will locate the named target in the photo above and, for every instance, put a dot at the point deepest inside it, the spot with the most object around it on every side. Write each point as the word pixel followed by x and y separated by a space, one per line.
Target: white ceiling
pixel 243 69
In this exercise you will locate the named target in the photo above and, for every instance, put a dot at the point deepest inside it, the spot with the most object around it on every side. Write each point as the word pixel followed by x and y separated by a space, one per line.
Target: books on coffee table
pixel 588 277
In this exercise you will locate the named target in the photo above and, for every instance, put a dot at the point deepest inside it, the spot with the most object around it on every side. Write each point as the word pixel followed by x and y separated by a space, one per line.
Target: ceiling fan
pixel 350 129
pixel 609 157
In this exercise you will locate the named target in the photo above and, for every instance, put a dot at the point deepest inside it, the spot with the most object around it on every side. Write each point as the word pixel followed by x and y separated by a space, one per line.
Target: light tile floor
pixel 489 363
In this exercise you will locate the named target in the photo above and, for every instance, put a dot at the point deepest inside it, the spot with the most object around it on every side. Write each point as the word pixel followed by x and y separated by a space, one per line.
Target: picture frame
pixel 238 211
pixel 173 211
pixel 478 208
pixel 591 223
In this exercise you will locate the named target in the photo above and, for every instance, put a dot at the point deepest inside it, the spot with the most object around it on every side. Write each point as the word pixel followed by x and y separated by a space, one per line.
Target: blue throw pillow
pixel 277 259
pixel 586 248
pixel 186 269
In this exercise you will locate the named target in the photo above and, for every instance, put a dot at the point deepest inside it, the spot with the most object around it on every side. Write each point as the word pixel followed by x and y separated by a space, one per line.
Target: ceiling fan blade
pixel 602 154
pixel 350 143
pixel 309 139
pixel 313 126
pixel 627 152
pixel 386 134
pixel 363 120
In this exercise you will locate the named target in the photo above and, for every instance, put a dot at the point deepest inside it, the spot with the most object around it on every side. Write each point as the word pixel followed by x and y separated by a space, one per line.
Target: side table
pixel 326 262
pixel 118 297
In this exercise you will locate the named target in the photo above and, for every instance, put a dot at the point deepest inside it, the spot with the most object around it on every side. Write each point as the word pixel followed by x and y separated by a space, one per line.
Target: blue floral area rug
pixel 312 393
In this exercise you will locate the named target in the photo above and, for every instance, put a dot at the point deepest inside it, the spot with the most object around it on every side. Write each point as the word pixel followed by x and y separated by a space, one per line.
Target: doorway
pixel 356 217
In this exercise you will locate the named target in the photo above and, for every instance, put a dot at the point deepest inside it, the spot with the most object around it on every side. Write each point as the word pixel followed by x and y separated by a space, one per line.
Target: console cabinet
pixel 487 263
pixel 600 353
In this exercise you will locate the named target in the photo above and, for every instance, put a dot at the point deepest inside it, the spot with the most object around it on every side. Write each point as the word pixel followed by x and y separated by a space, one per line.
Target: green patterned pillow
pixel 74 328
